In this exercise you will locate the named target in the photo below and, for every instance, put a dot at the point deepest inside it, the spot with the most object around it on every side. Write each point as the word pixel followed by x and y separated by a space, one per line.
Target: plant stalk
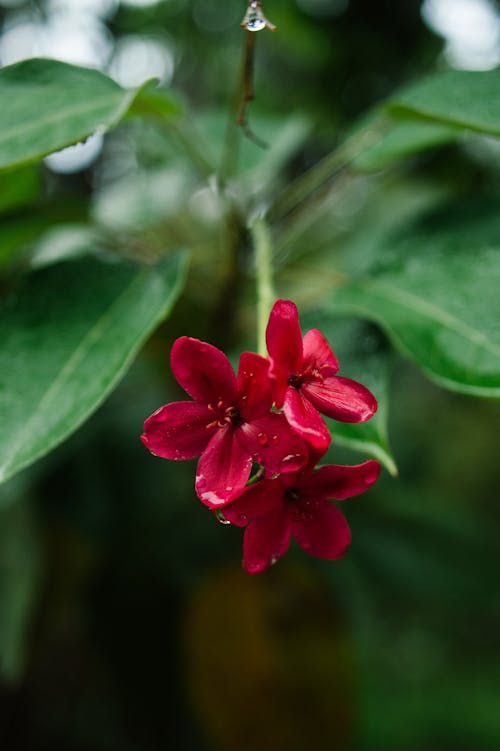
pixel 261 238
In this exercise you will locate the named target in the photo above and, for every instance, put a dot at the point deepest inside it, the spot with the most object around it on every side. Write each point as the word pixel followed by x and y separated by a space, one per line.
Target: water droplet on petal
pixel 257 458
pixel 262 439
pixel 291 460
pixel 243 518
pixel 275 440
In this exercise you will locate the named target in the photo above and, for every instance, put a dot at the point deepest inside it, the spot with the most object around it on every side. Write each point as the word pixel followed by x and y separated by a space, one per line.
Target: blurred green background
pixel 126 621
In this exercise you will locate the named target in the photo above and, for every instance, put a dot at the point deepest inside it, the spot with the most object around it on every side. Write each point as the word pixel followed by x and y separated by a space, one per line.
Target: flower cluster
pixel 267 416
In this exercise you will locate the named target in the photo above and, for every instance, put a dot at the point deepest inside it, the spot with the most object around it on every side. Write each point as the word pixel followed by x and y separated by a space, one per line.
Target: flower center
pixel 302 509
pixel 224 415
pixel 295 380
pixel 311 373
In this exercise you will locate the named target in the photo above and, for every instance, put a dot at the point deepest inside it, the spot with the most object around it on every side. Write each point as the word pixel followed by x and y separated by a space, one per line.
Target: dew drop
pixel 257 458
pixel 255 24
pixel 291 460
pixel 262 439
pixel 243 518
pixel 275 440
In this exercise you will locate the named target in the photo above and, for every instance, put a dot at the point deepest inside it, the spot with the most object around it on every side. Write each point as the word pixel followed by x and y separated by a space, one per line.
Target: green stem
pixel 261 237
pixel 232 137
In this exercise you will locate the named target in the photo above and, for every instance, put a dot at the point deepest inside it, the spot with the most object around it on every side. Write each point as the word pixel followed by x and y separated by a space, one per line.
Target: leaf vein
pixel 86 344
pixel 430 310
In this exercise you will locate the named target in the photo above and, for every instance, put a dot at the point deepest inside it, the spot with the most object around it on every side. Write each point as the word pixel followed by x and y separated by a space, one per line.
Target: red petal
pixel 266 540
pixel 317 353
pixel 284 343
pixel 339 482
pixel 223 469
pixel 178 430
pixel 203 371
pixel 341 398
pixel 323 533
pixel 272 443
pixel 260 499
pixel 254 385
pixel 305 419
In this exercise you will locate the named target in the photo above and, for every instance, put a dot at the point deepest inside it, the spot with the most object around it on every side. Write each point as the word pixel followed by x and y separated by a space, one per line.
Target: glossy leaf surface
pixel 53 104
pixel 68 335
pixel 434 290
pixel 464 98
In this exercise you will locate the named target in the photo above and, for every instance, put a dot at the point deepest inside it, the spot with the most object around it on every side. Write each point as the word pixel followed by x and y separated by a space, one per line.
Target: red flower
pixel 229 423
pixel 297 504
pixel 305 381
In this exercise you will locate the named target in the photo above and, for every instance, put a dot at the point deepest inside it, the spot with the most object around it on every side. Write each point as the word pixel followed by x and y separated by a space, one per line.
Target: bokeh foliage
pixel 125 619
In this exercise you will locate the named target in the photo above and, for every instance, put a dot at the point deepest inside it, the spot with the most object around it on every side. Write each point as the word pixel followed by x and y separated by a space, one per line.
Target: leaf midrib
pixel 419 114
pixel 67 369
pixel 432 311
pixel 56 116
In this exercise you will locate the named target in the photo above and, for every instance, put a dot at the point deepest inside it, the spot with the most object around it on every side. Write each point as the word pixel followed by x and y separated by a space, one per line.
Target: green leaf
pixel 435 291
pixel 156 103
pixel 398 140
pixel 68 336
pixel 53 105
pixel 364 358
pixel 465 99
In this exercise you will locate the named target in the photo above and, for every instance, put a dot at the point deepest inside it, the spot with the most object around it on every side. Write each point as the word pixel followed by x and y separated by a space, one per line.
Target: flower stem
pixel 261 237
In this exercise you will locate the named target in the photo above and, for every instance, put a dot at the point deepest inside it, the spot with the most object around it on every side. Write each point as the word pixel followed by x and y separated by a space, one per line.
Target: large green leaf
pixel 52 104
pixel 435 290
pixel 468 99
pixel 362 356
pixel 389 141
pixel 66 338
